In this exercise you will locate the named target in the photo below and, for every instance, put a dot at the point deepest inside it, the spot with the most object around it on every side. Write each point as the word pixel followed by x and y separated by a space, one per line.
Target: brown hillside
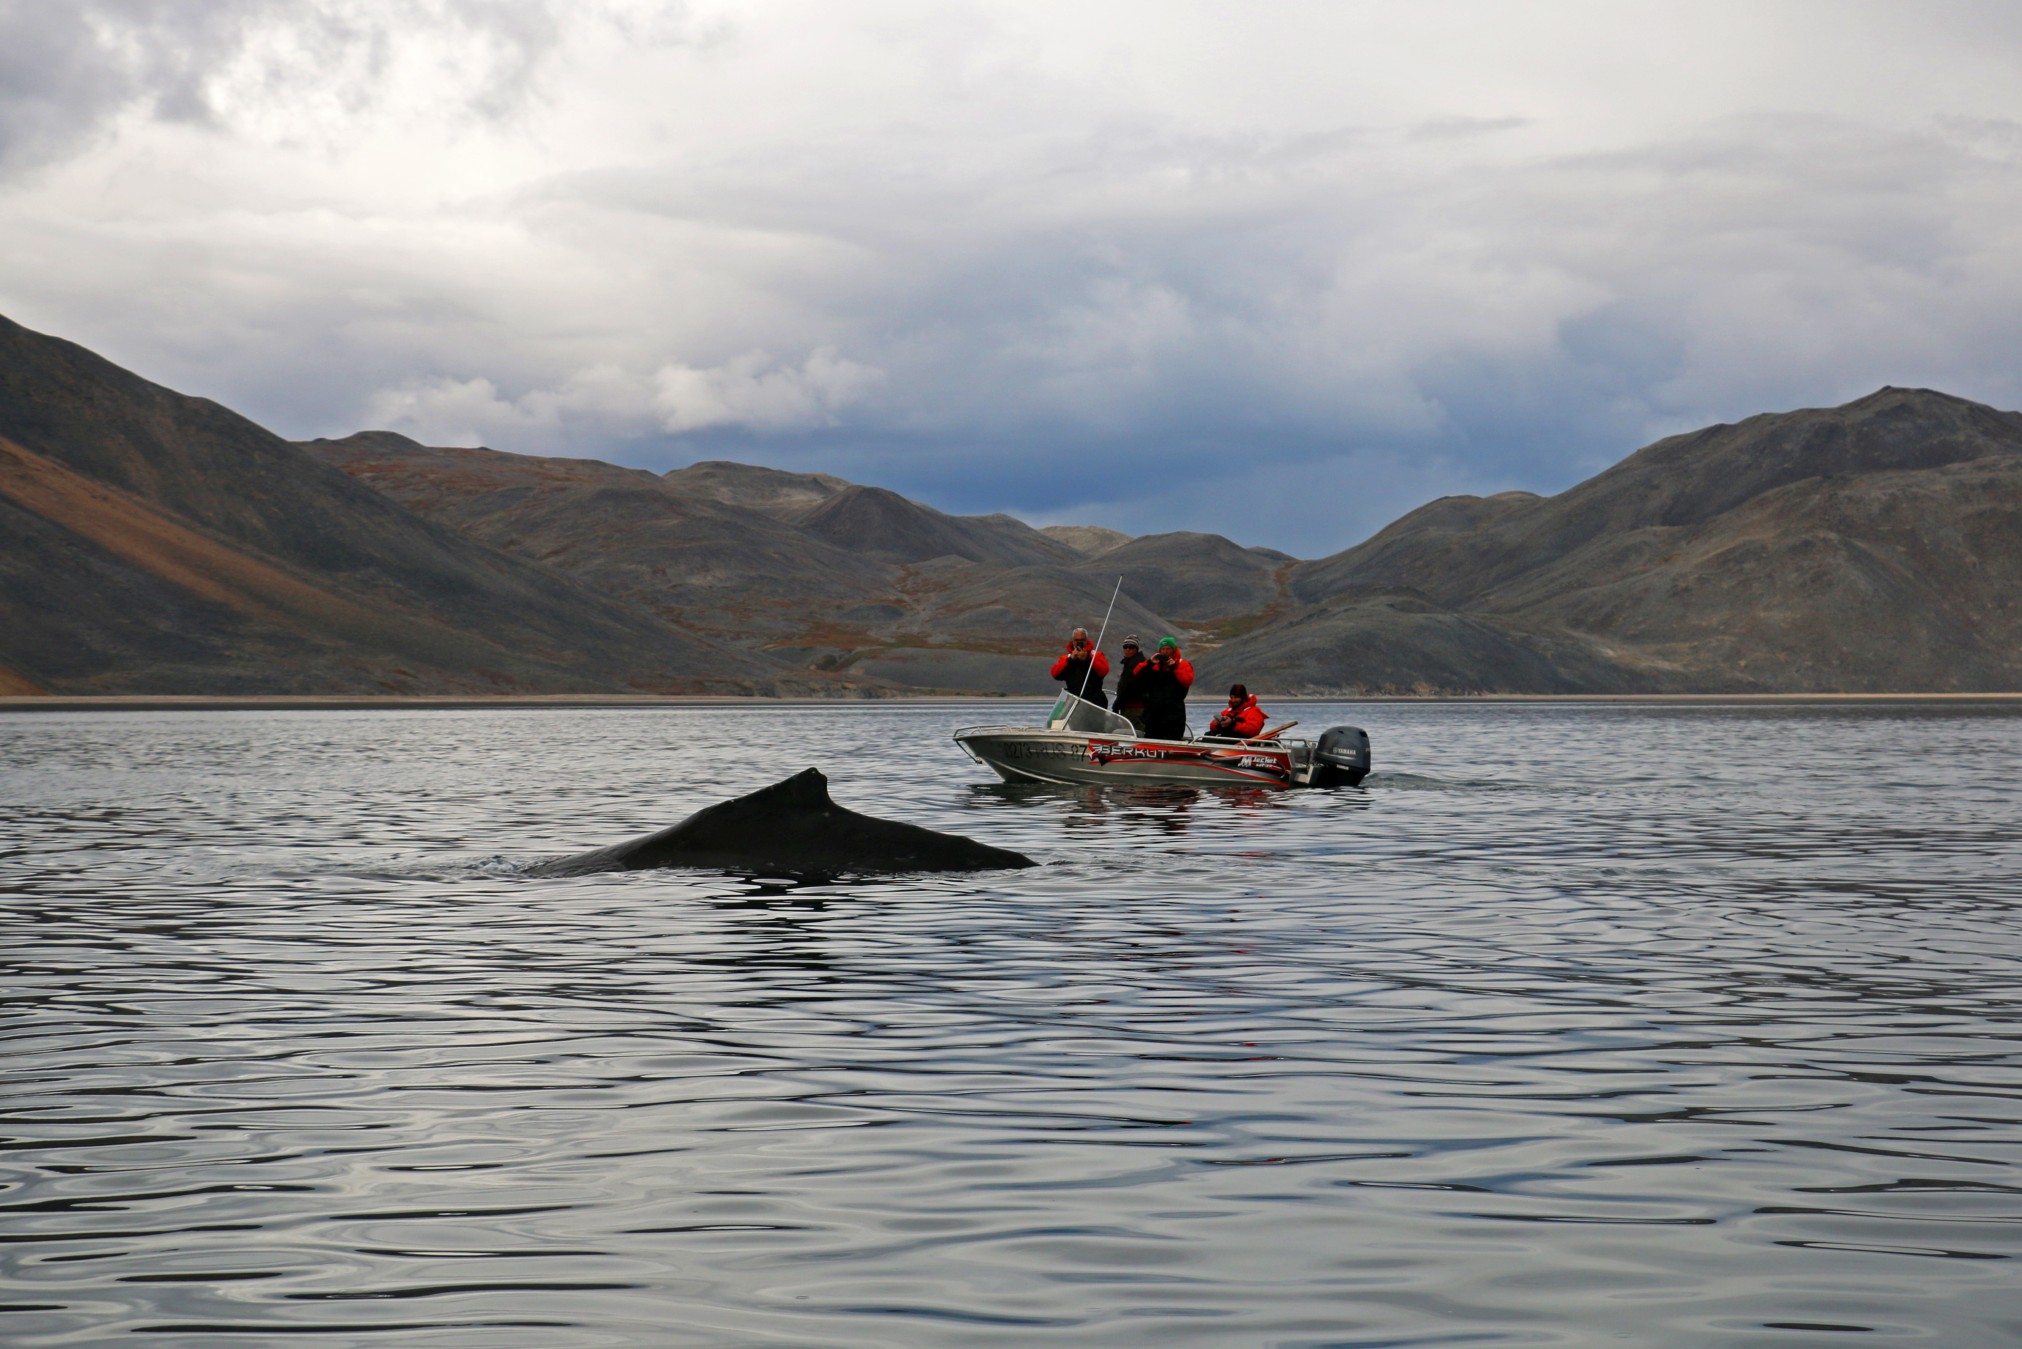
pixel 826 589
pixel 158 542
pixel 153 542
pixel 1459 549
pixel 1194 578
pixel 882 524
pixel 1087 540
pixel 769 491
pixel 1870 547
pixel 734 573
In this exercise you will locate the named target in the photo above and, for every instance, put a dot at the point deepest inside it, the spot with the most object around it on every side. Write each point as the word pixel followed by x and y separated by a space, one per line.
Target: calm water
pixel 1573 1026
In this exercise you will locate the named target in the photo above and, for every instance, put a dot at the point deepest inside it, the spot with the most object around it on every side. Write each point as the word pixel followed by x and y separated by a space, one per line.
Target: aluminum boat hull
pixel 1029 754
pixel 1085 744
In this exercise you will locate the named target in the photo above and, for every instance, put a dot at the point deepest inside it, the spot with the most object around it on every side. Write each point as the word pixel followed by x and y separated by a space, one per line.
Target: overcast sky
pixel 1278 270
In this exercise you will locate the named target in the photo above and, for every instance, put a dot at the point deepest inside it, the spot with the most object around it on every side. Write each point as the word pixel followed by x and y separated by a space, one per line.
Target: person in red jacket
pixel 1165 682
pixel 1240 720
pixel 1081 668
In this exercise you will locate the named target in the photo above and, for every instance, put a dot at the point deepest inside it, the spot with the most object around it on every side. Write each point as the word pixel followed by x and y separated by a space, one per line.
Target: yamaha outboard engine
pixel 1341 759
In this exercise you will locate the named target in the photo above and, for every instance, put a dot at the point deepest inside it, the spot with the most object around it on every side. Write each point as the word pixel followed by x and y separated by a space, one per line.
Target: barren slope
pixel 735 573
pixel 863 583
pixel 159 541
pixel 1868 547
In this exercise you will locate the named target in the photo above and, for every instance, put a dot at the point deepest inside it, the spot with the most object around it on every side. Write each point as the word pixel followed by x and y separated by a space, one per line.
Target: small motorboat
pixel 1084 744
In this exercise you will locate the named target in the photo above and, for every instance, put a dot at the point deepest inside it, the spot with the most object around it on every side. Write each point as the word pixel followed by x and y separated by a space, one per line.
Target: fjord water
pixel 1575 1025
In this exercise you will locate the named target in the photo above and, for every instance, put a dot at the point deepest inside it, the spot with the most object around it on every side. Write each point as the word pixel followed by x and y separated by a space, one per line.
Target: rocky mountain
pixel 1087 540
pixel 807 570
pixel 1198 580
pixel 873 521
pixel 1871 547
pixel 153 542
pixel 883 524
pixel 737 574
pixel 769 491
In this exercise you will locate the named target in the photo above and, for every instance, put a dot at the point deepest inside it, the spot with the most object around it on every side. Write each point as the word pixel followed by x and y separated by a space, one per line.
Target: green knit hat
pixel 1165 642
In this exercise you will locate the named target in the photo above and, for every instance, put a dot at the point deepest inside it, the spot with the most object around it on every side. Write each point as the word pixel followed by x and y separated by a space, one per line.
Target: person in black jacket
pixel 1165 681
pixel 1129 682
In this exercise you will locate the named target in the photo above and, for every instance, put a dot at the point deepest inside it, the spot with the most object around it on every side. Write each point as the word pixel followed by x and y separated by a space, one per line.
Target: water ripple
pixel 1572 1026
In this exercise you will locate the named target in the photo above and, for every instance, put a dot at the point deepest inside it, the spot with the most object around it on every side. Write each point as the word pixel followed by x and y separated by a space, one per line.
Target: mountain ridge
pixel 154 542
pixel 1704 563
pixel 863 580
pixel 157 542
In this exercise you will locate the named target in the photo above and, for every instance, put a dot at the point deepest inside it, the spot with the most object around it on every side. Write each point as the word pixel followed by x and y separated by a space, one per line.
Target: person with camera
pixel 1081 668
pixel 1164 681
pixel 1130 668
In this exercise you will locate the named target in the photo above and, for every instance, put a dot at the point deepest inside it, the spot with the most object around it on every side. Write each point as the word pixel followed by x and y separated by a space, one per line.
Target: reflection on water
pixel 1154 809
pixel 1573 1025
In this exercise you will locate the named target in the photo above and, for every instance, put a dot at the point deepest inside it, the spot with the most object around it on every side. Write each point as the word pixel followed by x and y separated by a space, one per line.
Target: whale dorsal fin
pixel 807 790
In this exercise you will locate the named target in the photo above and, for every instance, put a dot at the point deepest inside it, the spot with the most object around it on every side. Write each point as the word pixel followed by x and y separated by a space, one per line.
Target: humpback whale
pixel 790 829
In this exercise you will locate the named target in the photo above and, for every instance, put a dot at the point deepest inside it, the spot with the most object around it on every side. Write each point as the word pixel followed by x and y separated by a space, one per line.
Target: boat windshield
pixel 1078 714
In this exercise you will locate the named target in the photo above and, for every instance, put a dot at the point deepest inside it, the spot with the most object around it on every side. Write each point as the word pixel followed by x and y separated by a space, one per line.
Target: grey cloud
pixel 1290 333
pixel 1987 135
pixel 1461 128
pixel 1374 343
pixel 1766 263
pixel 519 33
pixel 68 69
pixel 65 69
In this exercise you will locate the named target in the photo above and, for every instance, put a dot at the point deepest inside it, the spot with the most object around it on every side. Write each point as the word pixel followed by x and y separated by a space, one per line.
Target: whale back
pixel 791 828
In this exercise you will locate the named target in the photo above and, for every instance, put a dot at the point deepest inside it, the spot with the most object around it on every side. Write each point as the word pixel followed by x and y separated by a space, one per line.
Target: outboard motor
pixel 1341 759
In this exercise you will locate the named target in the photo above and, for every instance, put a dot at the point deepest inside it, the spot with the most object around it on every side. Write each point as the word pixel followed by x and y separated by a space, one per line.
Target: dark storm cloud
pixel 1519 329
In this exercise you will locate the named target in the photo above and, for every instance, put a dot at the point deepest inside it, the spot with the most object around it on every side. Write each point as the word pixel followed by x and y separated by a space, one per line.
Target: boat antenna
pixel 1099 635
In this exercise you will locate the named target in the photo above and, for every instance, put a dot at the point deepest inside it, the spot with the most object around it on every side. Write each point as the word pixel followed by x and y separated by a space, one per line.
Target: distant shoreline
pixel 196 702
